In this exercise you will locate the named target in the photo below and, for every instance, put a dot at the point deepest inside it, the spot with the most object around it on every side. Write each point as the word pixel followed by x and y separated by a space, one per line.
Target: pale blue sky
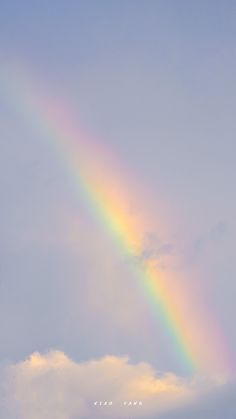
pixel 155 80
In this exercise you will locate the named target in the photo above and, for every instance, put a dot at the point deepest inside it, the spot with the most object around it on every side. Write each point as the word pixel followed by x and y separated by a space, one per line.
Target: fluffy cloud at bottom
pixel 52 386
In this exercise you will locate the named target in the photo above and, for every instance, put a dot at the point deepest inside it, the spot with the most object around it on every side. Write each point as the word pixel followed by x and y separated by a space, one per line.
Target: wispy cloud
pixel 214 234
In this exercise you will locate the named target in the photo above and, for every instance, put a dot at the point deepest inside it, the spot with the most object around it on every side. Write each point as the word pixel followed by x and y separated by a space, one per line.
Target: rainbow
pixel 197 341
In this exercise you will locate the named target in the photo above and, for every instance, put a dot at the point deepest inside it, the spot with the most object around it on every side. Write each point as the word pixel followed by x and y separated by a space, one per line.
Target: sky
pixel 117 215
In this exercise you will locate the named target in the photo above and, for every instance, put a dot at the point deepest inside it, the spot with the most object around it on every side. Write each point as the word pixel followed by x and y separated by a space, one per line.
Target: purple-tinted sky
pixel 155 81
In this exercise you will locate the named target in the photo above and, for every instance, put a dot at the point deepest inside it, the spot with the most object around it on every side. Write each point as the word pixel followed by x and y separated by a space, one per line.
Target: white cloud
pixel 52 386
